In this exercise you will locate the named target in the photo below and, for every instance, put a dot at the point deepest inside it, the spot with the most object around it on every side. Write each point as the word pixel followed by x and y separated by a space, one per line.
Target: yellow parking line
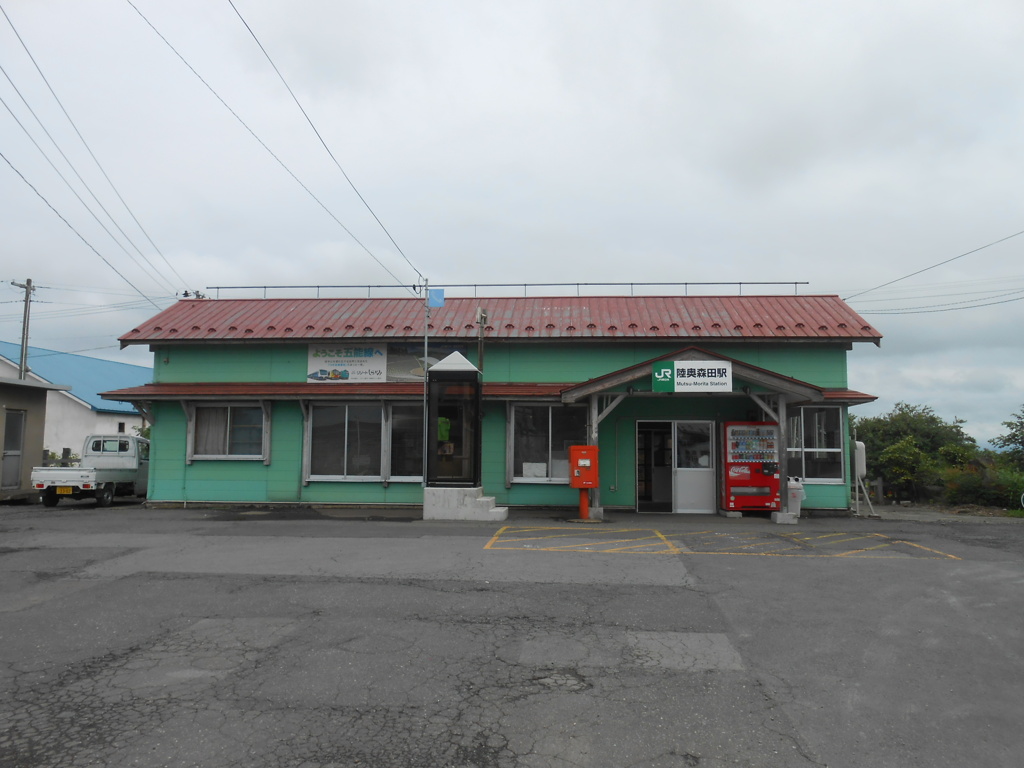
pixel 616 541
pixel 865 549
pixel 672 547
pixel 758 544
pixel 612 541
pixel 557 539
pixel 850 538
pixel 926 549
pixel 562 534
pixel 496 536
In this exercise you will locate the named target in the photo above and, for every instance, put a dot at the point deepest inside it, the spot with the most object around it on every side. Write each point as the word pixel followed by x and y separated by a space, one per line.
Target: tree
pixel 907 446
pixel 906 467
pixel 1012 442
pixel 930 431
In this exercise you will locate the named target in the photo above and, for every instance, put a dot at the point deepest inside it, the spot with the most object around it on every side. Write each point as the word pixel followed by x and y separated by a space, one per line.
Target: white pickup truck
pixel 111 465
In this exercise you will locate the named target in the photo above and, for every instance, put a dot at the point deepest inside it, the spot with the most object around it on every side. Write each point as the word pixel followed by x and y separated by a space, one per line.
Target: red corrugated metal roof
pixel 851 396
pixel 592 317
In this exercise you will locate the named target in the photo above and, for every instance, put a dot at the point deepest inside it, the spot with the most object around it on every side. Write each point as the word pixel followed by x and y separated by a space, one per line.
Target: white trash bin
pixel 795 497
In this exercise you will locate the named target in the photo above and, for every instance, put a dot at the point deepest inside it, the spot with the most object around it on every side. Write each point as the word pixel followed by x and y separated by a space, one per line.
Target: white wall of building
pixel 69 421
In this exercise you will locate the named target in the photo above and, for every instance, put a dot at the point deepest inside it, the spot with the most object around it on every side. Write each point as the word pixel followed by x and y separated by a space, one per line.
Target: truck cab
pixel 119 452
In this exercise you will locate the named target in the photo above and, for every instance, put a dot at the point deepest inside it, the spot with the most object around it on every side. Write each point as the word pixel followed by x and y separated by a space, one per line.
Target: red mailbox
pixel 583 466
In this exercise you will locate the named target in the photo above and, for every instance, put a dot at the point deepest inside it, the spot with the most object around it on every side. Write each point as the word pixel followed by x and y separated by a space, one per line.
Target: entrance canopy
pixel 769 382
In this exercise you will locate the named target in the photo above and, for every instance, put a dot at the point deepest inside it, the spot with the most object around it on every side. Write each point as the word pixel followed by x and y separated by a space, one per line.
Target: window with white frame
pixel 541 436
pixel 365 441
pixel 815 450
pixel 228 431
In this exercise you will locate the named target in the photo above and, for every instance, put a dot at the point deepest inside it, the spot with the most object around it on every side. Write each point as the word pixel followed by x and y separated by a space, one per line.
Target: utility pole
pixel 481 321
pixel 29 288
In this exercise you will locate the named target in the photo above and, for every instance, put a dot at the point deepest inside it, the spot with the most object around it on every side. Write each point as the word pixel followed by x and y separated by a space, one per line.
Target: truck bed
pixel 53 476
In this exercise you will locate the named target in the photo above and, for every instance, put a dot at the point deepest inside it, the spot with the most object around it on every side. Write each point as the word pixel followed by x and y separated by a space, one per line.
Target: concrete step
pixel 460 504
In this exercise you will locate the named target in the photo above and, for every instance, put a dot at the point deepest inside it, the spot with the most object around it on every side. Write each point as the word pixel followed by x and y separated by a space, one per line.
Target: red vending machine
pixel 751 467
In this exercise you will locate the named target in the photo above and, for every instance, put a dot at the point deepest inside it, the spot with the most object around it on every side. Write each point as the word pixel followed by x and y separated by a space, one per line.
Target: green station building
pixel 323 401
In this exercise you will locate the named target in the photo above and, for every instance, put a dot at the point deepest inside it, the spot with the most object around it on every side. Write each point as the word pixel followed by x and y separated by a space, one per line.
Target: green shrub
pixel 907 468
pixel 987 487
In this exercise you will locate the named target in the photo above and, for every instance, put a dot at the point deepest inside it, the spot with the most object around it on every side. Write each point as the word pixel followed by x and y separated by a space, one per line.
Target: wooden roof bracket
pixel 145 407
pixel 764 404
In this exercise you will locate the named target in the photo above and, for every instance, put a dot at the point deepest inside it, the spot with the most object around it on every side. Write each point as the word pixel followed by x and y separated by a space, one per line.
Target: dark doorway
pixel 454 446
pixel 654 466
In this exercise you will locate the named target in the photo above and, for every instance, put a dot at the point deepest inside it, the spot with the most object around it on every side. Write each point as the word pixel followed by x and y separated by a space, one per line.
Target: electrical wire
pixel 985 292
pixel 79 234
pixel 82 310
pixel 934 266
pixel 54 353
pixel 264 145
pixel 155 275
pixel 321 138
pixel 80 289
pixel 94 158
pixel 953 307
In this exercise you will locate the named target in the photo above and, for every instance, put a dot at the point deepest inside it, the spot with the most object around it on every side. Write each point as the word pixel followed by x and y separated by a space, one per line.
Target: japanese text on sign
pixel 692 376
pixel 356 362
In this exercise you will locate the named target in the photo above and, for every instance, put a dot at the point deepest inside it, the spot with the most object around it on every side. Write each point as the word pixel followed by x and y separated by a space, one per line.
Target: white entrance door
pixel 693 473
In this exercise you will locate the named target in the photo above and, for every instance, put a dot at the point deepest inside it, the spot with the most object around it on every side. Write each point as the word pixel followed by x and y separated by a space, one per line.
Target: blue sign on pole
pixel 435 297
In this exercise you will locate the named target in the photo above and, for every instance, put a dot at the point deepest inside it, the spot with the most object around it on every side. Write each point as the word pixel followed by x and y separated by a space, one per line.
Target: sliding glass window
pixel 365 441
pixel 815 450
pixel 541 436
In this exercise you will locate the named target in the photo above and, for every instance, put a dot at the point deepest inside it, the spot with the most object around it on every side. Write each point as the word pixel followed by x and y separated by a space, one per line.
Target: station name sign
pixel 692 376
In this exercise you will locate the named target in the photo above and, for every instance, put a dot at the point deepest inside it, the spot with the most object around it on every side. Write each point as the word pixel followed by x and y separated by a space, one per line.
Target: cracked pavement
pixel 132 637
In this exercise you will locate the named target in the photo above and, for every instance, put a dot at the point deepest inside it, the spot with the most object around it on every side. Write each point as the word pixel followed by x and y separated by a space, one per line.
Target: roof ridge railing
pixel 633 286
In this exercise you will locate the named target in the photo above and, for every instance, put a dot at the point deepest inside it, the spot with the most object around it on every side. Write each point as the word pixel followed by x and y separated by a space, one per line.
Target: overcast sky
pixel 839 144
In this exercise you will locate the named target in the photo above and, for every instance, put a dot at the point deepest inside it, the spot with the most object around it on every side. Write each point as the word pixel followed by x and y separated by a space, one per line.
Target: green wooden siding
pixel 819 364
pixel 230 362
pixel 281 480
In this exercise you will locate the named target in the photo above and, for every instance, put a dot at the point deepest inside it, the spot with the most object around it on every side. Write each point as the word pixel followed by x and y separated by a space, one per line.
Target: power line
pixel 263 144
pixel 80 237
pixel 934 266
pixel 63 178
pixel 84 310
pixel 950 306
pixel 321 138
pixel 92 155
pixel 955 288
pixel 54 353
pixel 80 289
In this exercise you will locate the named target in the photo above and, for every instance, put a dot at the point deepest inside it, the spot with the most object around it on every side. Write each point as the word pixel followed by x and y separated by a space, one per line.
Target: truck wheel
pixel 50 497
pixel 105 496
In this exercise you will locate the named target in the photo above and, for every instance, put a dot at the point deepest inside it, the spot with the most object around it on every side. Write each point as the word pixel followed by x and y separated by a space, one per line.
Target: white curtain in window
pixel 211 432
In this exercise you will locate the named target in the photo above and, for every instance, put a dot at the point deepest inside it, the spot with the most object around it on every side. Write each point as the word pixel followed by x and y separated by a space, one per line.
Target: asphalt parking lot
pixel 205 637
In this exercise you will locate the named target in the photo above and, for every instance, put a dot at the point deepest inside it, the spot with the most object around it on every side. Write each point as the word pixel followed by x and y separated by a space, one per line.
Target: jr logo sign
pixel 664 377
pixel 692 376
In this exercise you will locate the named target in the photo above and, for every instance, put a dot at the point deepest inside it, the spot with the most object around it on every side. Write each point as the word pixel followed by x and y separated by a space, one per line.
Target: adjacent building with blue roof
pixel 73 415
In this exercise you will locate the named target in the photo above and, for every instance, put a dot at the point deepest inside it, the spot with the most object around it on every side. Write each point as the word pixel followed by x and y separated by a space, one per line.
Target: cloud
pixel 840 145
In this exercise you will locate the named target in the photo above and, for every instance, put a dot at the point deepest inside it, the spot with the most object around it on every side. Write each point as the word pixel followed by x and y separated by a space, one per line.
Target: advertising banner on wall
pixel 406 361
pixel 692 376
pixel 340 363
pixel 347 362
